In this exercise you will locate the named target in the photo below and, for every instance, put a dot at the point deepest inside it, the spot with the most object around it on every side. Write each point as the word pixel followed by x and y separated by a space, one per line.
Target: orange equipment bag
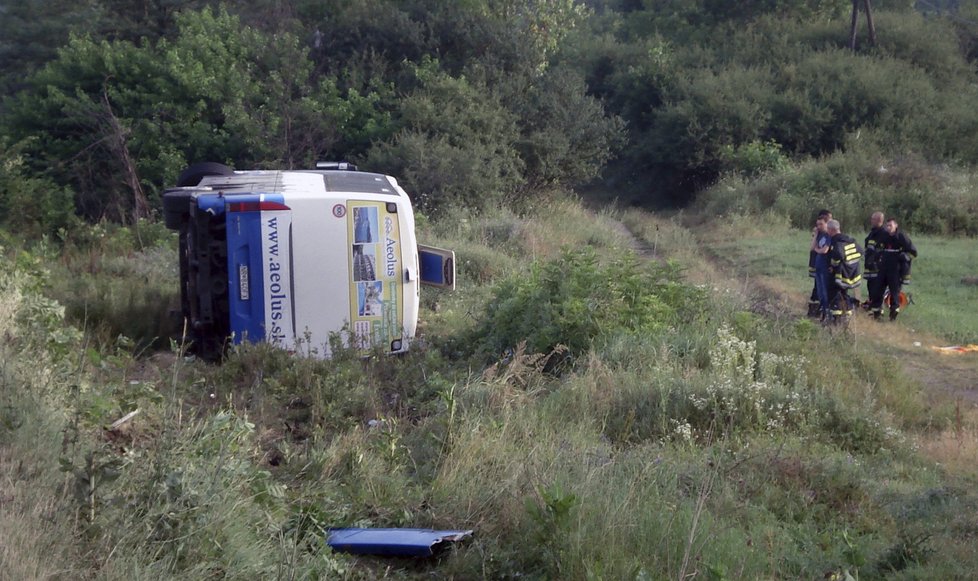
pixel 903 300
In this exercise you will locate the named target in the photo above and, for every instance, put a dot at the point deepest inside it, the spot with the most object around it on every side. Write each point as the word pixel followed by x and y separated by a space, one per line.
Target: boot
pixel 814 309
pixel 893 314
pixel 877 315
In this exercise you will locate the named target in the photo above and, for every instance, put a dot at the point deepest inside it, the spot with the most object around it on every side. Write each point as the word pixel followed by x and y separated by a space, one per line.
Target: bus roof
pixel 353 182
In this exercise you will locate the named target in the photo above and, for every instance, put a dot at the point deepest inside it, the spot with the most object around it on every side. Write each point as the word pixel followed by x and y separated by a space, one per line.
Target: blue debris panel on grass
pixel 393 542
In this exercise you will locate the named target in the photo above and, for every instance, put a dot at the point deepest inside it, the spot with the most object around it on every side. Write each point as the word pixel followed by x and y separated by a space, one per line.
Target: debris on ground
pixel 958 349
pixel 393 542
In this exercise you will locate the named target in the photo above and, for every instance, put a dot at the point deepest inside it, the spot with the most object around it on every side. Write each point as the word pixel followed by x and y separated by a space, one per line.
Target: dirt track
pixel 942 375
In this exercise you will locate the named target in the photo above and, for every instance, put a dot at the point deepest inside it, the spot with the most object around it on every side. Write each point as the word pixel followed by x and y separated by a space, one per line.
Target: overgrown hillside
pixel 589 413
pixel 610 394
pixel 473 103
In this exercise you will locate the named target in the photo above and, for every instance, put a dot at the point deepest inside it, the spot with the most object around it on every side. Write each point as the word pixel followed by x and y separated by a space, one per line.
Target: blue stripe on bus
pixel 246 266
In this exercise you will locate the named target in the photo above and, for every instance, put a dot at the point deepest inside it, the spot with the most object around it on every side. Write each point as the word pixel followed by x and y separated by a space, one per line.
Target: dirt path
pixel 943 376
pixel 640 247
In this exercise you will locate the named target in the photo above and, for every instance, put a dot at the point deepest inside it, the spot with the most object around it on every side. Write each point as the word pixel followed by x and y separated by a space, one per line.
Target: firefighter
pixel 897 250
pixel 873 260
pixel 844 263
pixel 814 306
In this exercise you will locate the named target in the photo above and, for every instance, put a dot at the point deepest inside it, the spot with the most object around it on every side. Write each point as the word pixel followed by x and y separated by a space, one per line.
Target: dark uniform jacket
pixel 896 251
pixel 872 245
pixel 844 258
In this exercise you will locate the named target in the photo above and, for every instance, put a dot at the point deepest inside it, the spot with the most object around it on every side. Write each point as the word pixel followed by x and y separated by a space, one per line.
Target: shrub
pixel 573 300
pixel 925 197
pixel 456 143
pixel 31 205
pixel 753 158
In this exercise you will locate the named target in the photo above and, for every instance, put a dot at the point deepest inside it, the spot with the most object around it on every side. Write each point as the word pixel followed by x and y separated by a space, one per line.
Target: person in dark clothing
pixel 845 256
pixel 823 279
pixel 873 257
pixel 897 250
pixel 814 306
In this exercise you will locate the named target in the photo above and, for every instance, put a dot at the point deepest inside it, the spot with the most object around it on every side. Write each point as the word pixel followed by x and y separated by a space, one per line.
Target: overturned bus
pixel 295 257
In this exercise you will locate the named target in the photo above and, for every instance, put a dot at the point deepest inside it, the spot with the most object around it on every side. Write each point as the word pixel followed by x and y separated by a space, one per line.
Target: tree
pixel 455 143
pixel 118 121
pixel 85 123
pixel 30 205
pixel 32 30
pixel 566 135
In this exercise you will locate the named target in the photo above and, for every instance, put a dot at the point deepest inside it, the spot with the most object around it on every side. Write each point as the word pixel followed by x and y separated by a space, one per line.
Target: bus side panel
pixel 259 241
pixel 245 284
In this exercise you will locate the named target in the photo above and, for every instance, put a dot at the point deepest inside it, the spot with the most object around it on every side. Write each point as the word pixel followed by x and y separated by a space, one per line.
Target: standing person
pixel 814 307
pixel 844 258
pixel 897 250
pixel 874 240
pixel 823 281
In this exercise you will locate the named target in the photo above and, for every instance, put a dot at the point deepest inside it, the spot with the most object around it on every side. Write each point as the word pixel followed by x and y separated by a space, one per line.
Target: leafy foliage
pixel 124 106
pixel 31 31
pixel 455 143
pixel 118 121
pixel 30 204
pixel 697 81
pixel 924 198
pixel 574 301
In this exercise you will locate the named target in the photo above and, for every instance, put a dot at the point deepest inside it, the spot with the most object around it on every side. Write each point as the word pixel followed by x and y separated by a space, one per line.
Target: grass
pixel 34 525
pixel 725 447
pixel 768 249
pixel 941 292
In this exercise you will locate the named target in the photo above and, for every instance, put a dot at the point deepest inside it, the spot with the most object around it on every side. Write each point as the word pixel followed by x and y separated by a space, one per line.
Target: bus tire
pixel 198 171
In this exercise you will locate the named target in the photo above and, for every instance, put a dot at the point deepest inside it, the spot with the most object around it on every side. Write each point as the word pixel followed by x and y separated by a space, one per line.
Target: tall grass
pixel 118 282
pixel 37 532
pixel 722 445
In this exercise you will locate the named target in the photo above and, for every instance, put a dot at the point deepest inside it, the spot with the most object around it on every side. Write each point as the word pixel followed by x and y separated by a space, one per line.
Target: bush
pixel 573 300
pixel 754 158
pixel 31 205
pixel 456 143
pixel 925 197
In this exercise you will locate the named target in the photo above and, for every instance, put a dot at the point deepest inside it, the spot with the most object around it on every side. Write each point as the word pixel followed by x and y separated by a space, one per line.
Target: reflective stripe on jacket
pixel 844 258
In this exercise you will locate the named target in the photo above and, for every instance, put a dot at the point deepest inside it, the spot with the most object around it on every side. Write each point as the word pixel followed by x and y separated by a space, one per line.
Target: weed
pixel 551 515
pixel 573 301
pixel 90 479
pixel 910 549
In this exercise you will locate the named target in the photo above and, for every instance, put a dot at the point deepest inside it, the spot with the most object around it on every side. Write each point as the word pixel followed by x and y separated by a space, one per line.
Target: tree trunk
pixel 869 22
pixel 119 147
pixel 852 28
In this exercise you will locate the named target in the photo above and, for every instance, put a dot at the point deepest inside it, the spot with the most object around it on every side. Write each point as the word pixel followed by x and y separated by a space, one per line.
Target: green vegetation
pixel 925 198
pixel 476 103
pixel 768 249
pixel 720 437
pixel 112 117
pixel 592 413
